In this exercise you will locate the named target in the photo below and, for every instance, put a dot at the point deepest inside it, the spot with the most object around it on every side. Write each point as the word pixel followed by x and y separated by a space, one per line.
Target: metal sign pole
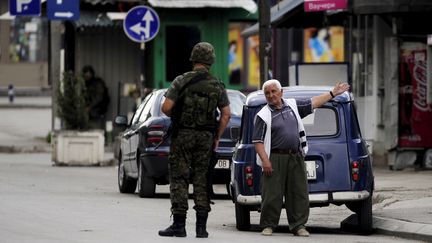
pixel 143 68
pixel 264 39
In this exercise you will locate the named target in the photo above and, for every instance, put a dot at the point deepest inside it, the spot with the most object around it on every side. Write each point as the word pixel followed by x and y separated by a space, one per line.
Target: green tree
pixel 71 102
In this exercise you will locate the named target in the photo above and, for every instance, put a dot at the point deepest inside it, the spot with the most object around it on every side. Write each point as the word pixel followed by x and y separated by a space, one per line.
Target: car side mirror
pixel 121 121
pixel 235 133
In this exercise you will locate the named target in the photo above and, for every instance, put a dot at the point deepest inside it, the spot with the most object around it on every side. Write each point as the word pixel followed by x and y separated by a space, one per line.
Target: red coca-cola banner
pixel 323 5
pixel 415 114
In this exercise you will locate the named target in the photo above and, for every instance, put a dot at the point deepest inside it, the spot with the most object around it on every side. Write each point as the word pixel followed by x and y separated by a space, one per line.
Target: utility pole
pixel 264 39
pixel 55 66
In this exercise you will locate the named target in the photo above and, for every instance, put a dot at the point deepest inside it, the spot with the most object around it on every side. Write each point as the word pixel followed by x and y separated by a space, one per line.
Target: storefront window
pixel 28 40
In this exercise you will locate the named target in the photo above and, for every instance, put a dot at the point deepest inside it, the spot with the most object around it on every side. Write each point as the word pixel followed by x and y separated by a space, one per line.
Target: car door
pixel 128 146
pixel 327 159
pixel 135 128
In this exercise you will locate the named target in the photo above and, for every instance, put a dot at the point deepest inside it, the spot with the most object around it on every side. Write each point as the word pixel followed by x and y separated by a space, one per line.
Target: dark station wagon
pixel 143 154
pixel 338 163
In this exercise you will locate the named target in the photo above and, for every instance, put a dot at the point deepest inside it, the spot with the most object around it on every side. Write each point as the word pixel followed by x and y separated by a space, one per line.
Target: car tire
pixel 146 184
pixel 364 216
pixel 242 217
pixel 427 159
pixel 125 184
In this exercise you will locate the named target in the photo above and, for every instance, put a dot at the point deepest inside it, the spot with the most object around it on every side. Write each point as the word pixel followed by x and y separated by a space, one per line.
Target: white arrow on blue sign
pixel 63 10
pixel 141 24
pixel 24 7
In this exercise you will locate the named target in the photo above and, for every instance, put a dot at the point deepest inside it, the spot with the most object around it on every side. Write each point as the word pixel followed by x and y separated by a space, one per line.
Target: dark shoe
pixel 201 225
pixel 177 228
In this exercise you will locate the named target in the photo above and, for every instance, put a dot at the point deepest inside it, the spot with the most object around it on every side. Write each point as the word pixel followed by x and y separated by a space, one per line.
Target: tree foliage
pixel 71 102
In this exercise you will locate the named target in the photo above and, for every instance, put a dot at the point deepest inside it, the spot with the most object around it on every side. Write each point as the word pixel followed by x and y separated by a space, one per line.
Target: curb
pixel 404 229
pixel 28 149
pixel 48 149
pixel 103 163
pixel 24 106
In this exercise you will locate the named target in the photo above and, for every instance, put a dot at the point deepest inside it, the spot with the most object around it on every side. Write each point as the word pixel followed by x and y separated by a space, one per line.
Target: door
pixel 179 43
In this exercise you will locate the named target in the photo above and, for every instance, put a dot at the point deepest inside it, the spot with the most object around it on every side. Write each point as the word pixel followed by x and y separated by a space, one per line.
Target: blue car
pixel 338 163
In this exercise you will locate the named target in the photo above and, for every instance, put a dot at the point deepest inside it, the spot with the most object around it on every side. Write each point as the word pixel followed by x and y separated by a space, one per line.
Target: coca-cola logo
pixel 420 93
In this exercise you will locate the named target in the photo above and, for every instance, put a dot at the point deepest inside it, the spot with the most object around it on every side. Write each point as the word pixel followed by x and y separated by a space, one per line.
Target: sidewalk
pixel 402 200
pixel 31 102
pixel 26 124
pixel 403 203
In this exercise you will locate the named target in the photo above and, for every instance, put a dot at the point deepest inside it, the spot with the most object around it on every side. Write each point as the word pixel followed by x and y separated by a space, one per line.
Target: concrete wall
pixel 21 75
pixel 24 75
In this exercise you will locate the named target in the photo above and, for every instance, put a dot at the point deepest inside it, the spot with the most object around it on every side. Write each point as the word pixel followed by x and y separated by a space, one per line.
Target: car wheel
pixel 146 184
pixel 364 216
pixel 427 159
pixel 242 217
pixel 125 184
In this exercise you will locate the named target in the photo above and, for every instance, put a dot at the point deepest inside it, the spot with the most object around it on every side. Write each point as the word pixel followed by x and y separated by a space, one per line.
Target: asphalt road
pixel 44 203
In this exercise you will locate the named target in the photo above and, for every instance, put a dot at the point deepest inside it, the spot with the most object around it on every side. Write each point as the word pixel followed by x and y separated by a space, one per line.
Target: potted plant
pixel 74 144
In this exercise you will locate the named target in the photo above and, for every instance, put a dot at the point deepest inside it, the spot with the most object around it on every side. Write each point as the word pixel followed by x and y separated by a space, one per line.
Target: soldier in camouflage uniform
pixel 191 102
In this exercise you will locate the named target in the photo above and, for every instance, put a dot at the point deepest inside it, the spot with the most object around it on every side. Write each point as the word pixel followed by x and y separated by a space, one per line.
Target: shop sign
pixel 324 5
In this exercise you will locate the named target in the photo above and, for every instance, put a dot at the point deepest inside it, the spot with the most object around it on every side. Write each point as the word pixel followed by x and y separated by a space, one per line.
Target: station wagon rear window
pixel 323 122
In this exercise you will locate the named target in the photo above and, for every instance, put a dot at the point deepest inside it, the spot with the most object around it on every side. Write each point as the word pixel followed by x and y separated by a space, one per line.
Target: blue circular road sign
pixel 141 24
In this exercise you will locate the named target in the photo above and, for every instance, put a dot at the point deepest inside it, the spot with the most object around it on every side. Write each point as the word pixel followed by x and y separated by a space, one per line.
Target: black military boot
pixel 201 222
pixel 177 228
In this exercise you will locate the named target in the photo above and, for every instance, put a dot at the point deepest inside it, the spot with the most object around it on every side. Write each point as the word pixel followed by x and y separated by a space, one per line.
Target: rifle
pixel 165 136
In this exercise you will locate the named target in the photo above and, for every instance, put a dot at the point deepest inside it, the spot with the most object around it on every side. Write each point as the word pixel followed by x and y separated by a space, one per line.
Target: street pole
pixel 143 69
pixel 264 39
pixel 55 43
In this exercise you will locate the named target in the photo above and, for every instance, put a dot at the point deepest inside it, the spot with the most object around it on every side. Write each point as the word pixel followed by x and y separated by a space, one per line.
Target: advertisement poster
pixel 323 45
pixel 235 53
pixel 253 80
pixel 415 113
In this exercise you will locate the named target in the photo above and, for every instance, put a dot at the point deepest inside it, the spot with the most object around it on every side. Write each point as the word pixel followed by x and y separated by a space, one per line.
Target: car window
pixel 236 103
pixel 138 112
pixel 323 122
pixel 145 114
pixel 355 128
pixel 247 123
pixel 160 107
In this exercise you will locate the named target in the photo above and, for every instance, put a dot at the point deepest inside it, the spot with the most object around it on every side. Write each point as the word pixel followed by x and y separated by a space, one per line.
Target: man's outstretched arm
pixel 339 88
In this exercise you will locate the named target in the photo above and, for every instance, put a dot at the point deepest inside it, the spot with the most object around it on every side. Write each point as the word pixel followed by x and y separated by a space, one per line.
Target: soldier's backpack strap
pixel 175 117
pixel 194 80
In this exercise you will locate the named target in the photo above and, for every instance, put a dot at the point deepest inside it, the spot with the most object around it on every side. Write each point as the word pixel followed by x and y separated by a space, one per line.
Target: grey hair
pixel 270 82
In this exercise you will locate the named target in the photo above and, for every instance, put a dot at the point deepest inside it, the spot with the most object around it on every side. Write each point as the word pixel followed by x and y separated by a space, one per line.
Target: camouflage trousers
pixel 188 163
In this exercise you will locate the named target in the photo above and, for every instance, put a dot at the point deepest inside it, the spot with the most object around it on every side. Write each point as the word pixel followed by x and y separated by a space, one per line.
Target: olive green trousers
pixel 288 180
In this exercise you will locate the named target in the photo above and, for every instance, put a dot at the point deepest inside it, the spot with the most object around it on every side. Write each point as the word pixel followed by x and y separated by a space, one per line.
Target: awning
pixel 107 1
pixel 248 5
pixel 290 13
pixel 391 6
pixel 284 7
pixel 276 13
pixel 93 19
